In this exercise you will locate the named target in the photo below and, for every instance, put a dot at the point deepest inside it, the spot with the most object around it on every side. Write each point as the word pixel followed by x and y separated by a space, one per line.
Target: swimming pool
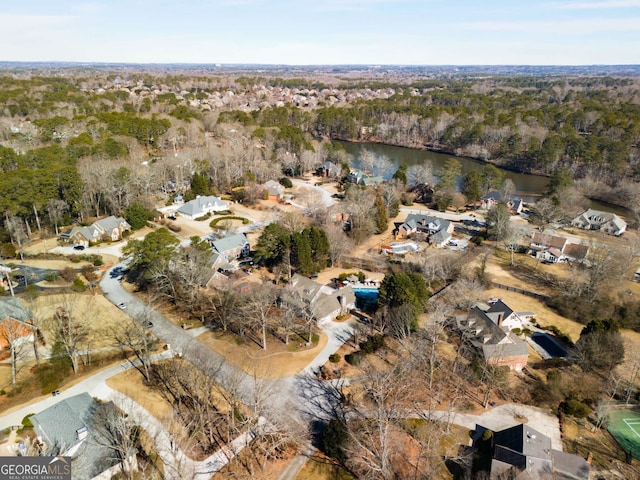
pixel 549 344
pixel 366 298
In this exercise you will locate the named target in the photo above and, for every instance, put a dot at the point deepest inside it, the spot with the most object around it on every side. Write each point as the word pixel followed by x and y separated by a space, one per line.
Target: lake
pixel 528 187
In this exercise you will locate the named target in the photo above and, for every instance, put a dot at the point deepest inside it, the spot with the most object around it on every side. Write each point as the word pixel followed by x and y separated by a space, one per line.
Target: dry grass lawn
pixel 130 383
pixel 263 363
pixel 100 314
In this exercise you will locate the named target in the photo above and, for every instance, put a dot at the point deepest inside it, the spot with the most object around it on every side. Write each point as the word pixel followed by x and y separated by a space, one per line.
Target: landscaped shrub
pixel 353 358
pixel 576 408
pixel 286 182
pixel 78 285
pixel 173 227
pixel 335 358
pixel 215 221
pixel 51 276
pixel 26 421
pixel 204 217
pixel 372 344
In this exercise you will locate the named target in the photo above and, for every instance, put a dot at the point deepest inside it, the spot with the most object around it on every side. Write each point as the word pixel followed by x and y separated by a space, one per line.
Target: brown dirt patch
pixel 275 362
pixel 131 384
pixel 320 467
pixel 249 464
pixel 51 264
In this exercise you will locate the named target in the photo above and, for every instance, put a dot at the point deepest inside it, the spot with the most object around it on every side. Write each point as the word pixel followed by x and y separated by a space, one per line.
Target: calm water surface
pixel 529 187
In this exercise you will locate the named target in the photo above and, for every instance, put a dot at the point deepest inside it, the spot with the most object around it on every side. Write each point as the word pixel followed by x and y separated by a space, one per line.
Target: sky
pixel 315 32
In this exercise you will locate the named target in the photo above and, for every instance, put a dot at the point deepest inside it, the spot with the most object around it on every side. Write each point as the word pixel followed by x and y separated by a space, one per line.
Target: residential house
pixel 328 169
pixel 439 230
pixel 522 453
pixel 488 201
pixel 555 248
pixel 274 190
pixel 440 239
pixel 324 303
pixel 16 324
pixel 231 247
pixel 67 427
pixel 109 228
pixel 200 206
pixel 606 222
pixel 488 328
pixel 360 178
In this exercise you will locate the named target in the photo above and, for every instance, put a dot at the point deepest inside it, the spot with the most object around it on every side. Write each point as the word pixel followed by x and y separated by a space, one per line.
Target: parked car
pixel 122 306
pixel 147 324
pixel 78 247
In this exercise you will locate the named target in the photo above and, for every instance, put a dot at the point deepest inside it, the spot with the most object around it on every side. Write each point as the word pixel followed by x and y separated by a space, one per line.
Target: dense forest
pixel 78 144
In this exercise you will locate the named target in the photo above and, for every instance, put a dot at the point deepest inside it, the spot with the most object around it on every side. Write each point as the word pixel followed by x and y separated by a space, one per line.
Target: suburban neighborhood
pixel 281 278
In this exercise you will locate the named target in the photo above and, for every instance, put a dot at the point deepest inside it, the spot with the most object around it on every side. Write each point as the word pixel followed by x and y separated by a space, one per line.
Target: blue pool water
pixel 366 298
pixel 549 344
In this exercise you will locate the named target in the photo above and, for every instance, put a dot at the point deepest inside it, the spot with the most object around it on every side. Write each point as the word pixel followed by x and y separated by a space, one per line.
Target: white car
pixel 122 306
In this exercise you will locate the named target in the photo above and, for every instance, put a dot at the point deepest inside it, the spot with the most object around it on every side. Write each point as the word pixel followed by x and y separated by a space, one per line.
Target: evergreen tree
pixel 273 244
pixel 319 247
pixel 380 214
pixel 301 253
pixel 200 184
pixel 472 186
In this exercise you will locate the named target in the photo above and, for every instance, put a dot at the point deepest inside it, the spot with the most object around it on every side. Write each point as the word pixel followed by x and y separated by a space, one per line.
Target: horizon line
pixel 257 64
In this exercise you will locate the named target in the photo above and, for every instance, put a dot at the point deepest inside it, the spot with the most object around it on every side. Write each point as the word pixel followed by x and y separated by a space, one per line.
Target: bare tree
pixel 16 335
pixel 114 429
pixel 339 243
pixel 55 210
pixel 257 306
pixel 367 160
pixel 70 332
pixel 359 202
pixel 136 342
pixel 514 236
pixel 16 229
pixel 420 174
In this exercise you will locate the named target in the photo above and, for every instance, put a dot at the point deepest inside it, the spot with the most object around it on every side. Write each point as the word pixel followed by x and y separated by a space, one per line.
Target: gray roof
pixel 11 307
pixel 530 452
pixel 490 338
pixel 111 223
pixel 494 195
pixel 273 187
pixel 229 243
pixel 304 291
pixel 598 218
pixel 440 237
pixel 197 206
pixel 59 424
pixel 567 465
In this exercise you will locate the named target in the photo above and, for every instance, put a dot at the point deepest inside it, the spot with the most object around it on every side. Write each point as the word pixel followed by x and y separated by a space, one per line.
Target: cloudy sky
pixel 418 32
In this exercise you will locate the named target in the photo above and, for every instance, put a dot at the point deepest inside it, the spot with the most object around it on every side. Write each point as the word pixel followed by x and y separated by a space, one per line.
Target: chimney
pixel 500 315
pixel 343 304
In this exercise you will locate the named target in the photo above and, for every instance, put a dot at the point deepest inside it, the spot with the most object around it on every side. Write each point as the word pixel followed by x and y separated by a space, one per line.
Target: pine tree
pixel 380 215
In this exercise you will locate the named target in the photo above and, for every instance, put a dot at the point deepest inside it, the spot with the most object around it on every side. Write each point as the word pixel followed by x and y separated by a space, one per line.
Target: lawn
pixel 276 362
pixel 100 314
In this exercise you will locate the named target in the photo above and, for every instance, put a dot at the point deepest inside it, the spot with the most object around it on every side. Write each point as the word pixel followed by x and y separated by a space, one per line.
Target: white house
pixel 200 206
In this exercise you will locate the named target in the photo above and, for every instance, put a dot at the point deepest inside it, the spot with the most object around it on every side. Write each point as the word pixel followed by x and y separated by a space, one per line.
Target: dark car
pixel 78 247
pixel 147 324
